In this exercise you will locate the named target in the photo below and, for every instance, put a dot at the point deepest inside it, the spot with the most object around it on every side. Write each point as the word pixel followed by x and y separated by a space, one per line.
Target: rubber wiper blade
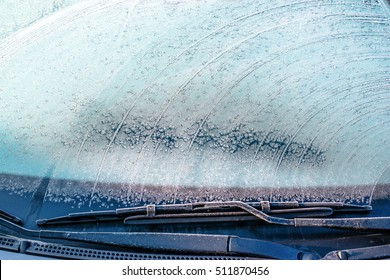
pixel 207 211
pixel 81 217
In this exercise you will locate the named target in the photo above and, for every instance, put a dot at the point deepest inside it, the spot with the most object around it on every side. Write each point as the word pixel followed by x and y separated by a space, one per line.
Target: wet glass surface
pixel 129 95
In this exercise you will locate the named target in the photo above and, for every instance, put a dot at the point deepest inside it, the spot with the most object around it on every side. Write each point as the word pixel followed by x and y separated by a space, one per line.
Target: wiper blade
pixel 235 211
pixel 205 211
pixel 9 217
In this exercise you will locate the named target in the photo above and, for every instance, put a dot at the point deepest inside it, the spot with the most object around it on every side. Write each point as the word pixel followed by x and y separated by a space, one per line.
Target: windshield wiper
pixel 9 217
pixel 300 214
pixel 162 242
pixel 206 211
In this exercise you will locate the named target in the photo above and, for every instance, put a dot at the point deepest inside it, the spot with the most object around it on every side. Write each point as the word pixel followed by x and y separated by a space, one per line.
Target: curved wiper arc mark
pixel 175 59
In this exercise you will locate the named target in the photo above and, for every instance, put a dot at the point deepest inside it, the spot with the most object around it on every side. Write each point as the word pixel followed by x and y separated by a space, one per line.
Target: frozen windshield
pixel 130 95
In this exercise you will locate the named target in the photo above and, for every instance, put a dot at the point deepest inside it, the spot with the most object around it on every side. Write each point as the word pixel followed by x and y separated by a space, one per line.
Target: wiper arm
pixel 368 223
pixel 367 253
pixel 206 211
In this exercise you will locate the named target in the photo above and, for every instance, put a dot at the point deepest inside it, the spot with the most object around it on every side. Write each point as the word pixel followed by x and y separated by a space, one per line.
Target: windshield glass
pixel 171 101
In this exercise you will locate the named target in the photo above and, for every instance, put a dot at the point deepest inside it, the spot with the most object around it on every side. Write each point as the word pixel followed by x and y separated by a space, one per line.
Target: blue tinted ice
pixel 200 93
